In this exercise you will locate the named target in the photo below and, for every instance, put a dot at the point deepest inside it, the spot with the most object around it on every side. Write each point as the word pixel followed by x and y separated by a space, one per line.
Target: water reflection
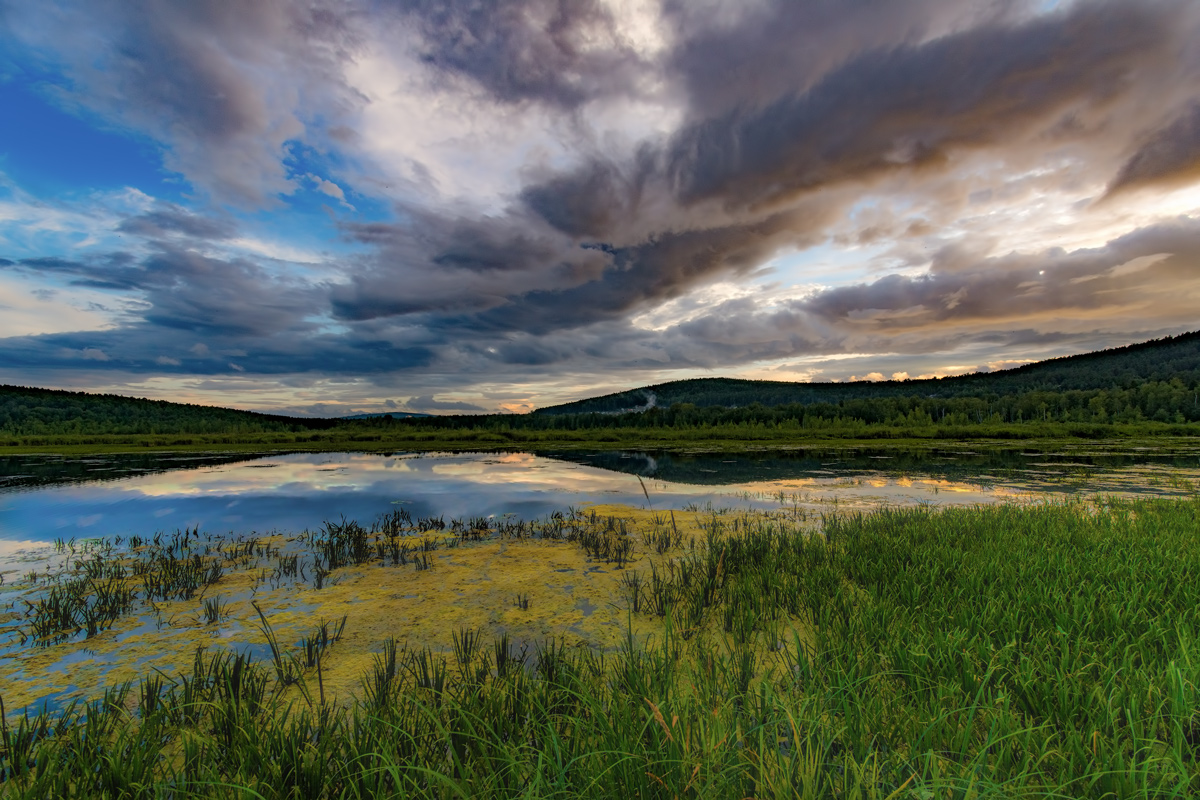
pixel 239 494
pixel 1032 469
pixel 111 496
pixel 26 471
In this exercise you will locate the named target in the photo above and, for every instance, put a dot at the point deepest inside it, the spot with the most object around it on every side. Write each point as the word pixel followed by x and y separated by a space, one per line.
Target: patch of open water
pixel 43 499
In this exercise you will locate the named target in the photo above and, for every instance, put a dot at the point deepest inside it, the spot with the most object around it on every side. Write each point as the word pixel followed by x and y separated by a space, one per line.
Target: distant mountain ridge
pixel 1172 357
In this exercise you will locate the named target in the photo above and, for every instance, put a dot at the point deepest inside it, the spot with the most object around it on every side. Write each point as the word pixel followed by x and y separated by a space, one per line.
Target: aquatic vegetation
pixel 174 586
pixel 1015 651
pixel 87 604
pixel 213 608
pixel 320 640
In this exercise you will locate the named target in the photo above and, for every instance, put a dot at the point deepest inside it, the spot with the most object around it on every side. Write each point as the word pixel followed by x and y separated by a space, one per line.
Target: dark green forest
pixel 1174 402
pixel 1153 382
pixel 26 411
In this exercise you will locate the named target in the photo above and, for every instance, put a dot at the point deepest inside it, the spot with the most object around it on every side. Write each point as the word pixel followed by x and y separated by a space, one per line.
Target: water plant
pixel 377 687
pixel 1045 651
pixel 213 608
pixel 343 543
pixel 78 604
pixel 325 634
pixel 287 671
pixel 467 644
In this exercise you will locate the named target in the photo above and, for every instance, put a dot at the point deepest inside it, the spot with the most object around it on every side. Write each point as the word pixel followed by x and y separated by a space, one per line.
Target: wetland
pixel 854 620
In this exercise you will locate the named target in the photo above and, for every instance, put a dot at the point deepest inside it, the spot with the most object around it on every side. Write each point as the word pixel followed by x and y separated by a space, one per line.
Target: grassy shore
pixel 397 436
pixel 1011 651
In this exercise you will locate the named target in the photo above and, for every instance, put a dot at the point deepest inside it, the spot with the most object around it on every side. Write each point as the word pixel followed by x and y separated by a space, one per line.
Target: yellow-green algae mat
pixel 571 598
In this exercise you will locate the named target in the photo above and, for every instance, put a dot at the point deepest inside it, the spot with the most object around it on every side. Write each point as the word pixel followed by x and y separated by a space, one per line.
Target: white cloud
pixel 329 188
pixel 28 308
pixel 439 138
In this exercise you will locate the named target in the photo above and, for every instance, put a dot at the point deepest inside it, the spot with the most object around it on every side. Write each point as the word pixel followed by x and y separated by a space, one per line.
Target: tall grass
pixel 1043 651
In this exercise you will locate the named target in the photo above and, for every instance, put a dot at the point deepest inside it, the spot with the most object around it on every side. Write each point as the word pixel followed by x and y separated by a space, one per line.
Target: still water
pixel 45 498
pixel 566 593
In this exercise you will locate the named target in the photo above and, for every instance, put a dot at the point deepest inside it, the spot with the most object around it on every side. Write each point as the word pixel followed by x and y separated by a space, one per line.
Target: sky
pixel 343 206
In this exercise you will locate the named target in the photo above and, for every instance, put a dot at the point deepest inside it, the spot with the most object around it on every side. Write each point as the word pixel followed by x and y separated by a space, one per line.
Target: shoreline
pixel 529 442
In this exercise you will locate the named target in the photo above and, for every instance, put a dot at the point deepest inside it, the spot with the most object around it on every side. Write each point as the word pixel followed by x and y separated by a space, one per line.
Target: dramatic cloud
pixel 906 108
pixel 1170 155
pixel 223 87
pixel 505 204
pixel 561 52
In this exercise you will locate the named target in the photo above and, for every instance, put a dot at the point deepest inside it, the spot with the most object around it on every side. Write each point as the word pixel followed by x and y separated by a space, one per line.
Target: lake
pixel 48 498
pixel 254 514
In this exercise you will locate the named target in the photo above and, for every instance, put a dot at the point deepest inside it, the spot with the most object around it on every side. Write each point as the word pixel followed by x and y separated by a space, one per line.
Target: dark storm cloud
pixel 1169 155
pixel 473 272
pixel 110 273
pixel 205 295
pixel 589 202
pixel 887 110
pixel 1008 301
pixel 744 54
pixel 659 270
pixel 1026 302
pixel 182 289
pixel 442 264
pixel 479 244
pixel 907 107
pixel 147 349
pixel 1030 286
pixel 560 52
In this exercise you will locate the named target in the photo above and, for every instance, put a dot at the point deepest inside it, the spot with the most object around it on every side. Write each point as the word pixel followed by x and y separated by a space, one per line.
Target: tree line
pixel 1158 360
pixel 27 411
pixel 1155 401
pixel 1157 381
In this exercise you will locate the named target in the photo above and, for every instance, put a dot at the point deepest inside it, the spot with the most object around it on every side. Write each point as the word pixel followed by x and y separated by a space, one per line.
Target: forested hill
pixel 33 412
pixel 1156 381
pixel 1171 358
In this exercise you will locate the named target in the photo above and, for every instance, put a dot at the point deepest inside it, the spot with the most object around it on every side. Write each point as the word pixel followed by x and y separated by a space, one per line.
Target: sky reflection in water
pixel 296 491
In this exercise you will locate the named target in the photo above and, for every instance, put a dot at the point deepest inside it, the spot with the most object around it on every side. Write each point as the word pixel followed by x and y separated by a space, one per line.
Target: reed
pixel 467 645
pixel 286 668
pixel 1046 651
pixel 214 607
pixel 378 686
pixel 325 634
